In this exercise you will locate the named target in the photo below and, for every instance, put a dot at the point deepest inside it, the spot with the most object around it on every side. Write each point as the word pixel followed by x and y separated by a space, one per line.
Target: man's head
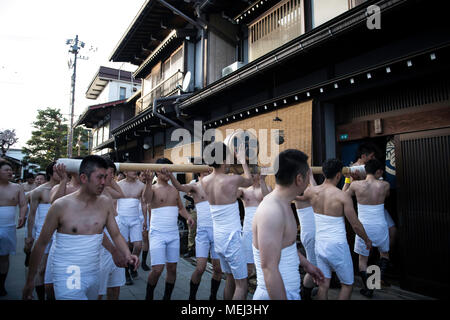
pixel 218 155
pixel 366 152
pixel 29 177
pixel 141 176
pixel 93 174
pixel 110 171
pixel 293 169
pixel 40 178
pixel 374 167
pixel 6 172
pixel 120 176
pixel 50 173
pixel 159 174
pixel 332 170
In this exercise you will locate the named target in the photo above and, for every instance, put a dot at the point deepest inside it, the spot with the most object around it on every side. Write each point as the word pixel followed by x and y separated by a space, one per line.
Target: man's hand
pixel 190 222
pixel 144 226
pixel 368 244
pixel 21 222
pixel 148 176
pixel 60 170
pixel 240 155
pixel 119 259
pixel 27 293
pixel 315 272
pixel 133 261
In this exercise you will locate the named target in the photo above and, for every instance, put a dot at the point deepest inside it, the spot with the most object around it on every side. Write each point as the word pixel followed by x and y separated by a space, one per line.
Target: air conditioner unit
pixel 232 67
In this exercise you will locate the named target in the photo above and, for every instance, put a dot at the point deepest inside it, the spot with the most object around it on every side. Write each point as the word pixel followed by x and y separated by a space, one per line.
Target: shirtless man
pixel 306 218
pixel 251 197
pixel 145 243
pixel 40 179
pixel 112 277
pixel 370 195
pixel 276 256
pixel 79 220
pixel 130 211
pixel 11 195
pixel 40 204
pixel 221 190
pixel 330 205
pixel 204 239
pixel 165 204
pixel 28 186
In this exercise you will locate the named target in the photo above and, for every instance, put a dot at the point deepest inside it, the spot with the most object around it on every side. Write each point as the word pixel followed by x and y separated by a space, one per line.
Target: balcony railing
pixel 163 89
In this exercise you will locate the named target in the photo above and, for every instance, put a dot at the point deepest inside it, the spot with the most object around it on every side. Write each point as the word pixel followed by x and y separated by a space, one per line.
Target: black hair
pixel 372 166
pixel 42 174
pixel 28 175
pixel 217 146
pixel 365 149
pixel 331 168
pixel 90 163
pixel 110 164
pixel 4 162
pixel 163 161
pixel 289 164
pixel 49 170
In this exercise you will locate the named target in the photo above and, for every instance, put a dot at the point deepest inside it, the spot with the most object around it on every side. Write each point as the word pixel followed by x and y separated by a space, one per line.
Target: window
pixel 282 24
pixel 325 10
pixel 123 93
pixel 106 132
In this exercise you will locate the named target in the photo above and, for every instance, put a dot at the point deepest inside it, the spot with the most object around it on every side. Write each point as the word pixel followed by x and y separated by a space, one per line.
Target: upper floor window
pixel 275 27
pixel 123 93
pixel 324 10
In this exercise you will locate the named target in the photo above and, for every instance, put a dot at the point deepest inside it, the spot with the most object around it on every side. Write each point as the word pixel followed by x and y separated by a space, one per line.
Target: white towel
pixel 164 219
pixel 7 216
pixel 330 228
pixel 372 214
pixel 226 218
pixel 307 221
pixel 129 207
pixel 204 217
pixel 41 214
pixel 248 218
pixel 288 267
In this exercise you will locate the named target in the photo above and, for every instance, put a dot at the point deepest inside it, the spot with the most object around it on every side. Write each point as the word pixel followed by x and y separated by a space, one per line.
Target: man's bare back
pixel 327 199
pixel 370 191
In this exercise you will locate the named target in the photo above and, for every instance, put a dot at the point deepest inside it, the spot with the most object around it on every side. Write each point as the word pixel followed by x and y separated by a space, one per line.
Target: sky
pixel 34 57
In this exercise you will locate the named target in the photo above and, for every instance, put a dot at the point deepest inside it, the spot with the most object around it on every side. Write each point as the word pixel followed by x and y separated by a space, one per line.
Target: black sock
pixel 306 293
pixel 193 290
pixel 150 290
pixel 364 277
pixel 27 259
pixel 215 284
pixel 144 257
pixel 168 290
pixel 40 291
pixel 2 283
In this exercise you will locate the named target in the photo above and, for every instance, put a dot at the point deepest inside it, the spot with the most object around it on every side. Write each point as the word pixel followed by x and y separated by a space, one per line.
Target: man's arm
pixel 349 189
pixel 35 195
pixel 49 227
pixel 182 211
pixel 315 272
pixel 59 190
pixel 23 207
pixel 246 180
pixel 269 240
pixel 144 212
pixel 114 190
pixel 186 188
pixel 147 193
pixel 264 188
pixel 350 214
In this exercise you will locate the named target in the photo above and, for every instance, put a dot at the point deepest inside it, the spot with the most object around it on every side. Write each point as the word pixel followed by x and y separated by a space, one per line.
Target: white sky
pixel 33 54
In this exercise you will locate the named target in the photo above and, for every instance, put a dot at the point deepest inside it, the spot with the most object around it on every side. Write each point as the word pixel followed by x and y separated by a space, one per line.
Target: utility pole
pixel 75 46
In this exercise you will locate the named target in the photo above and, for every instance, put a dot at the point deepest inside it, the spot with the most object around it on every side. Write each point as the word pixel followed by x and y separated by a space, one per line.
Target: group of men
pixel 88 232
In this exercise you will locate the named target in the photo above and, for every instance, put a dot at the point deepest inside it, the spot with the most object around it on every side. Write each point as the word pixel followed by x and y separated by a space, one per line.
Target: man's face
pixel 30 180
pixel 131 174
pixel 6 172
pixel 121 176
pixel 109 176
pixel 141 177
pixel 367 157
pixel 40 179
pixel 96 181
pixel 162 176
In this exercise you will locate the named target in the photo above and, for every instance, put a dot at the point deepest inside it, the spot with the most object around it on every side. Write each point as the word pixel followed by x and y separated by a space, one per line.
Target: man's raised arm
pixel 147 193
pixel 186 188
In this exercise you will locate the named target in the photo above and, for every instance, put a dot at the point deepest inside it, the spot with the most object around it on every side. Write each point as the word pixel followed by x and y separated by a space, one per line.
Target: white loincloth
pixel 76 262
pixel 247 233
pixel 164 237
pixel 308 232
pixel 204 238
pixel 130 225
pixel 110 275
pixel 374 222
pixel 8 239
pixel 289 270
pixel 228 240
pixel 389 221
pixel 332 250
pixel 41 213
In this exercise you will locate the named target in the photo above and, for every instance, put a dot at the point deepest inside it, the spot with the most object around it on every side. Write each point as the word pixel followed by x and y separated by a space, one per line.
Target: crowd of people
pixel 86 230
